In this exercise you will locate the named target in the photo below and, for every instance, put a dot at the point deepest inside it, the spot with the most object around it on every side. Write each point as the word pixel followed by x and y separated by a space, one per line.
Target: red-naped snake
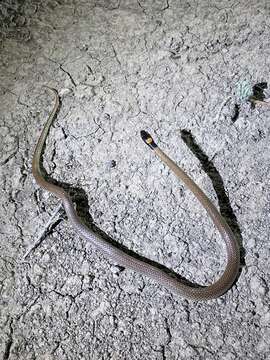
pixel 122 258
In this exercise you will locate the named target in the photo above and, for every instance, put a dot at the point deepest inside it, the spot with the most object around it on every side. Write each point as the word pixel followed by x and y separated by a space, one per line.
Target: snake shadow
pixel 218 185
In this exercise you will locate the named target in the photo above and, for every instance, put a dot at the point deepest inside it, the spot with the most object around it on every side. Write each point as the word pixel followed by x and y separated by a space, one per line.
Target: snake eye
pixel 147 138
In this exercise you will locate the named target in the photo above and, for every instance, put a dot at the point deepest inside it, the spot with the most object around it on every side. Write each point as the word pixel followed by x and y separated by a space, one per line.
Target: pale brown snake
pixel 122 258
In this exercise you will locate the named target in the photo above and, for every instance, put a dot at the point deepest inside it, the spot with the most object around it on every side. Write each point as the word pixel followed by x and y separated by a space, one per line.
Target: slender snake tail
pixel 119 256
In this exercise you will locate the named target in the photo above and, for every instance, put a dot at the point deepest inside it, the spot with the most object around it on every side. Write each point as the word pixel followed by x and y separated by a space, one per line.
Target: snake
pixel 176 284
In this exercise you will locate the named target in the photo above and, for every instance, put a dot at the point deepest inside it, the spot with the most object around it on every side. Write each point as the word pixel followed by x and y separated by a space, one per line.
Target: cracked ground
pixel 171 68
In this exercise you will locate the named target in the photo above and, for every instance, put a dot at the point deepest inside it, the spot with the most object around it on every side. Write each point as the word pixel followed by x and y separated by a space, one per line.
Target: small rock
pixel 46 258
pixel 85 268
pixel 64 92
pixel 84 47
pixel 116 269
pixel 258 285
pixel 112 164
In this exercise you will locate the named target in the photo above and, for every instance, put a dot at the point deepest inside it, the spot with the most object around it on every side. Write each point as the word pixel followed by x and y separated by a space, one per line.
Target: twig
pixel 44 230
pixel 255 101
pixel 221 107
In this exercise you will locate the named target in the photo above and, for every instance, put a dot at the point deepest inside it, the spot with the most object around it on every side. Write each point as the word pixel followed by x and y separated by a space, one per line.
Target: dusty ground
pixel 170 67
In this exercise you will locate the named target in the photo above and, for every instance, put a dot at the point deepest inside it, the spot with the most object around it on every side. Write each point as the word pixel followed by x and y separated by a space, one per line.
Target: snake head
pixel 147 138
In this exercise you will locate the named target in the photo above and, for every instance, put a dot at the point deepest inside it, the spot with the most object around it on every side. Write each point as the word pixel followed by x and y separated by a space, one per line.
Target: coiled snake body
pixel 119 256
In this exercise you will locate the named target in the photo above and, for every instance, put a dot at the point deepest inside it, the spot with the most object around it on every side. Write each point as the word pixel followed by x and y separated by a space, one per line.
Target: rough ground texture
pixel 169 67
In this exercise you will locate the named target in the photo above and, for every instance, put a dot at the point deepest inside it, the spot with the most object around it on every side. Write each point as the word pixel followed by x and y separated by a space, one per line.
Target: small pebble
pixel 112 163
pixel 65 91
pixel 258 285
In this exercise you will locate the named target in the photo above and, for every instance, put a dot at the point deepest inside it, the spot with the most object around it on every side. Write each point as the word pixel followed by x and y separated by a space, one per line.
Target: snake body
pixel 122 258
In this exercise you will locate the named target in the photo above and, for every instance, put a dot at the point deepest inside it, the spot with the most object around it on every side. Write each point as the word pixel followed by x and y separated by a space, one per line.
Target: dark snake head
pixel 147 138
